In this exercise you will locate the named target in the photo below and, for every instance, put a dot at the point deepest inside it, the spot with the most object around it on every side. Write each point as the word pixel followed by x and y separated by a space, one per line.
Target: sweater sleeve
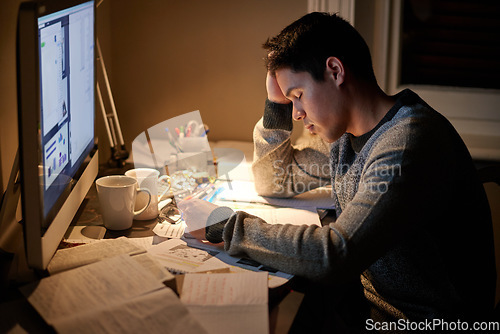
pixel 281 169
pixel 376 219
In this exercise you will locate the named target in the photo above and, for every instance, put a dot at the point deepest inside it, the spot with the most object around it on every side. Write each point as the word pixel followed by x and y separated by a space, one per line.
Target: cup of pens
pixel 191 152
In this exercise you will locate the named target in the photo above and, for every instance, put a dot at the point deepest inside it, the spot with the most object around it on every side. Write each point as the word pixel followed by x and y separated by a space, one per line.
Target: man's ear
pixel 335 70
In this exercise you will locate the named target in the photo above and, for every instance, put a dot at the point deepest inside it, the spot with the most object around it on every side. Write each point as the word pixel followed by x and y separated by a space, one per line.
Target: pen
pixel 200 193
pixel 172 141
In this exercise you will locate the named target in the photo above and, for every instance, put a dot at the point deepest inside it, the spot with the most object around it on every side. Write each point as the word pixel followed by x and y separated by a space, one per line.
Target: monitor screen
pixel 56 102
pixel 66 56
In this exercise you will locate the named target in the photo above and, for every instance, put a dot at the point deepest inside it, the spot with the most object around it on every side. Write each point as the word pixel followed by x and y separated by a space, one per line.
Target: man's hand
pixel 195 213
pixel 274 93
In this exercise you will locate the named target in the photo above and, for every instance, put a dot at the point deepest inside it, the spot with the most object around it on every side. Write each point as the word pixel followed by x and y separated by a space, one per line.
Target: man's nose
pixel 298 114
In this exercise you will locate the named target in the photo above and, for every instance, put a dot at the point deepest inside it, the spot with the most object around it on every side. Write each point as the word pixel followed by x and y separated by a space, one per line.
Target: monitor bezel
pixel 41 241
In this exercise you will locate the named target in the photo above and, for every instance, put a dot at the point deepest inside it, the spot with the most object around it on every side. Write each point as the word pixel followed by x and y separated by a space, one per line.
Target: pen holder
pixel 194 144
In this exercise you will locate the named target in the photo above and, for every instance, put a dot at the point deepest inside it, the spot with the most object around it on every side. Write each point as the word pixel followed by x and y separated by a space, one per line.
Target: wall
pixel 165 58
pixel 8 91
pixel 172 57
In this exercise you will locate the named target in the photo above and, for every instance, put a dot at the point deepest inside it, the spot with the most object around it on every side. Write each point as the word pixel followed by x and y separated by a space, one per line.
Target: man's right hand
pixel 274 93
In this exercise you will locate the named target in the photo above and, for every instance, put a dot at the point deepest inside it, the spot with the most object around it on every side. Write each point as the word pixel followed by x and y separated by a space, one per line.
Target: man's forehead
pixel 290 80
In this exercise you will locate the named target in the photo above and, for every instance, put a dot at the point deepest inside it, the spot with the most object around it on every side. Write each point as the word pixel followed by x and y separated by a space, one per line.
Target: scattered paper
pixel 168 230
pixel 153 266
pixel 232 303
pixel 74 257
pixel 110 281
pixel 244 191
pixel 157 312
pixel 178 257
pixel 144 242
pixel 285 216
pixel 276 278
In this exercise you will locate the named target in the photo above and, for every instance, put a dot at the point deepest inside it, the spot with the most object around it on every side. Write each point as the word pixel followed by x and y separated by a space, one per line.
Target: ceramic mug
pixel 148 178
pixel 117 196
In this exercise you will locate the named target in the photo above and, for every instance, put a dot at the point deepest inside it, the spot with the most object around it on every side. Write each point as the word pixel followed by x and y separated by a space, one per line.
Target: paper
pixel 178 257
pixel 153 266
pixel 244 191
pixel 111 281
pixel 144 242
pixel 156 312
pixel 234 303
pixel 69 258
pixel 276 278
pixel 168 230
pixel 285 216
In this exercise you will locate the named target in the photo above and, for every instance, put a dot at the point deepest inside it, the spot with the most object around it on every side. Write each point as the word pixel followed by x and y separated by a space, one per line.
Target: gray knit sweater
pixel 413 220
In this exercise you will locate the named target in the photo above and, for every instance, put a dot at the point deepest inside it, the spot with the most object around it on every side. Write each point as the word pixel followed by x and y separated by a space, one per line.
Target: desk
pixel 16 312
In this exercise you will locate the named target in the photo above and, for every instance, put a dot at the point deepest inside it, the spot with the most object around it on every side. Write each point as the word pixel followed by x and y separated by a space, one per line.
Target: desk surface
pixel 89 213
pixel 17 313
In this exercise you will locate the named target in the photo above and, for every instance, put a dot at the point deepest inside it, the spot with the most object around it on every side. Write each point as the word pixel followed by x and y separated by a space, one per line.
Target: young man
pixel 413 222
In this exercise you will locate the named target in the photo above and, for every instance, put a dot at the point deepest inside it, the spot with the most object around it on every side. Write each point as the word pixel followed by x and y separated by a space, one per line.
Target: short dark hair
pixel 305 45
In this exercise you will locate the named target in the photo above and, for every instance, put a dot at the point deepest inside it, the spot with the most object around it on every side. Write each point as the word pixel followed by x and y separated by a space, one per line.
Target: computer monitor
pixel 56 107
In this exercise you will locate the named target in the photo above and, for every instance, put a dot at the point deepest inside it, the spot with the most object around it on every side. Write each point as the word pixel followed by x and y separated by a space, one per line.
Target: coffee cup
pixel 117 196
pixel 147 178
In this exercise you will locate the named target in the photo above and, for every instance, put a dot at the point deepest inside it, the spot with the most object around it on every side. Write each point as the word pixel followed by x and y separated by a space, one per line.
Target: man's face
pixel 318 104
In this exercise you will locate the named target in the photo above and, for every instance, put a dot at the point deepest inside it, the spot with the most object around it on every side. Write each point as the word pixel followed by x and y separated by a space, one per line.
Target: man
pixel 413 222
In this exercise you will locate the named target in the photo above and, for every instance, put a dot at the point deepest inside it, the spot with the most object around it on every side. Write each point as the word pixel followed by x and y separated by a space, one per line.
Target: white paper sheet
pixel 239 265
pixel 285 216
pixel 149 263
pixel 178 257
pixel 232 303
pixel 244 191
pixel 111 281
pixel 157 312
pixel 74 257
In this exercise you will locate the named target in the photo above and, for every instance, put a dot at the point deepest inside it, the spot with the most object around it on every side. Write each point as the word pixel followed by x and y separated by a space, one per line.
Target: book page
pixel 74 257
pixel 157 312
pixel 93 286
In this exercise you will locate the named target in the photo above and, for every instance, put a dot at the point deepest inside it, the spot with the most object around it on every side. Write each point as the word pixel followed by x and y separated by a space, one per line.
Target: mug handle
pixel 169 185
pixel 138 212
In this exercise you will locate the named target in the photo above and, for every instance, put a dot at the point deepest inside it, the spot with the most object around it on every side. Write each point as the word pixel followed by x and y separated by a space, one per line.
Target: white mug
pixel 148 178
pixel 117 195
